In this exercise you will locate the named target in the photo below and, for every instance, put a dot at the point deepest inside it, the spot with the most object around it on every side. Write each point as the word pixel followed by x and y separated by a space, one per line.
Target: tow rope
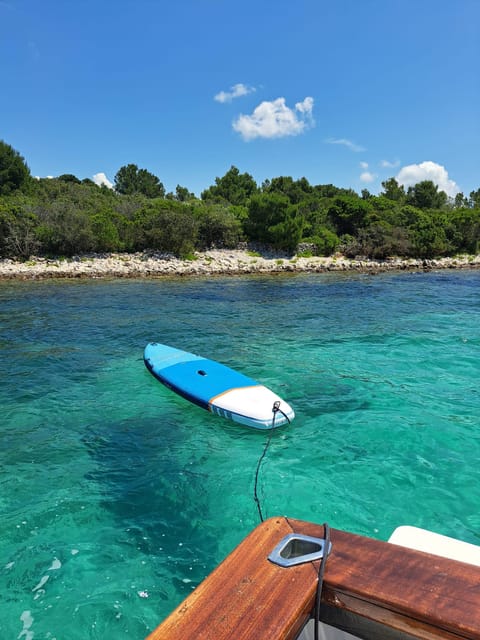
pixel 321 571
pixel 275 409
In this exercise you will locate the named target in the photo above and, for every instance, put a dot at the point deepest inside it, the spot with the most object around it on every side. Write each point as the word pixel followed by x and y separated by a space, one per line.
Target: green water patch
pixel 118 496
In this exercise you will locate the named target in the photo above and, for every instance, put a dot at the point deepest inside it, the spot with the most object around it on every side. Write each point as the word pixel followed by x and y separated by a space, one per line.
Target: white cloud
pixel 305 107
pixel 101 178
pixel 347 143
pixel 275 120
pixel 428 170
pixel 236 91
pixel 367 176
pixel 386 164
pixel 364 165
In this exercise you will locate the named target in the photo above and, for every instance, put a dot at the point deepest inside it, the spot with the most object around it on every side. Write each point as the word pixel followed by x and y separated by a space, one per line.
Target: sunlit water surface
pixel 118 497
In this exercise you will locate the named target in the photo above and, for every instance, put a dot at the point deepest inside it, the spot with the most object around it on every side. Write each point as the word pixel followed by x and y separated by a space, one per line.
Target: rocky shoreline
pixel 150 264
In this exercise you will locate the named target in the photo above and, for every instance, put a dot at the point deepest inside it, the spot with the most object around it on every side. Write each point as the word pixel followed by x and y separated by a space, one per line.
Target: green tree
pixel 235 188
pixel 287 233
pixel 89 182
pixel 428 236
pixel 408 216
pixel 167 226
pixel 69 177
pixel 106 232
pixel 380 240
pixel 330 191
pixel 348 214
pixel 383 210
pixel 18 225
pixel 130 180
pixel 393 191
pixel 14 172
pixel 182 194
pixel 475 199
pixel 314 212
pixel 295 190
pixel 64 229
pixel 273 220
pixel 265 210
pixel 460 201
pixel 325 242
pixel 463 230
pixel 218 226
pixel 425 195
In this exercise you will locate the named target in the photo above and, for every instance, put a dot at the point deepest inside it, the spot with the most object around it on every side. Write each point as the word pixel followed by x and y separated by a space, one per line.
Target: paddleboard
pixel 216 387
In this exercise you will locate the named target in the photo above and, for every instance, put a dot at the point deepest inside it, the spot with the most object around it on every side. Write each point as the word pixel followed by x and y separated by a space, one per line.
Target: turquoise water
pixel 117 497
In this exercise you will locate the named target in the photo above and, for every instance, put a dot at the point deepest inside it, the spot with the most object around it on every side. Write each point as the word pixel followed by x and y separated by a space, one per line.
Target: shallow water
pixel 118 497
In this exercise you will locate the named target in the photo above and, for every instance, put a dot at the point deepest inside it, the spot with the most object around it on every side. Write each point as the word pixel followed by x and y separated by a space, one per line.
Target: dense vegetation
pixel 67 216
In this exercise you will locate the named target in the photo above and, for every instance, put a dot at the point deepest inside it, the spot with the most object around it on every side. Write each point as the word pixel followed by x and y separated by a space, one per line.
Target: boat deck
pixel 371 588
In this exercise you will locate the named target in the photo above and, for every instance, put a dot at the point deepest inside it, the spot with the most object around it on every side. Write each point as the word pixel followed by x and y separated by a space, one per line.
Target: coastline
pixel 151 264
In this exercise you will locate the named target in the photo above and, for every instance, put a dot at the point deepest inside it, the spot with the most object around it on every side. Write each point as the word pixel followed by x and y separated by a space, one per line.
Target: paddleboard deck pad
pixel 216 387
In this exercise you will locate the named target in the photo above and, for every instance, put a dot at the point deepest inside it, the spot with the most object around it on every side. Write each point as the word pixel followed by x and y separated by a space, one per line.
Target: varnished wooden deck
pixel 404 591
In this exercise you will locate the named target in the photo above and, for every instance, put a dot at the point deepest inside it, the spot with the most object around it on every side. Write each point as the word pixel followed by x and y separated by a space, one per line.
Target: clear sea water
pixel 118 497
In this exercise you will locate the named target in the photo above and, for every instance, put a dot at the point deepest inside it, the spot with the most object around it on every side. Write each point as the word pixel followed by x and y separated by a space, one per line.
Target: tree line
pixel 64 216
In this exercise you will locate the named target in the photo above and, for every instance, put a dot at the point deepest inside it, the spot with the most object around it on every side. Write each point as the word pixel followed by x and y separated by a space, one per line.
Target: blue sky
pixel 348 92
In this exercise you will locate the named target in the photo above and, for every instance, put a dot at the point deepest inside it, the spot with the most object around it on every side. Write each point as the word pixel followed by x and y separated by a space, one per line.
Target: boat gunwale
pixel 248 597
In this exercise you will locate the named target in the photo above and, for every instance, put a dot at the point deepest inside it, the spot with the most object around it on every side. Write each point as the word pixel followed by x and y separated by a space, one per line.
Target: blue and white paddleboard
pixel 217 388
